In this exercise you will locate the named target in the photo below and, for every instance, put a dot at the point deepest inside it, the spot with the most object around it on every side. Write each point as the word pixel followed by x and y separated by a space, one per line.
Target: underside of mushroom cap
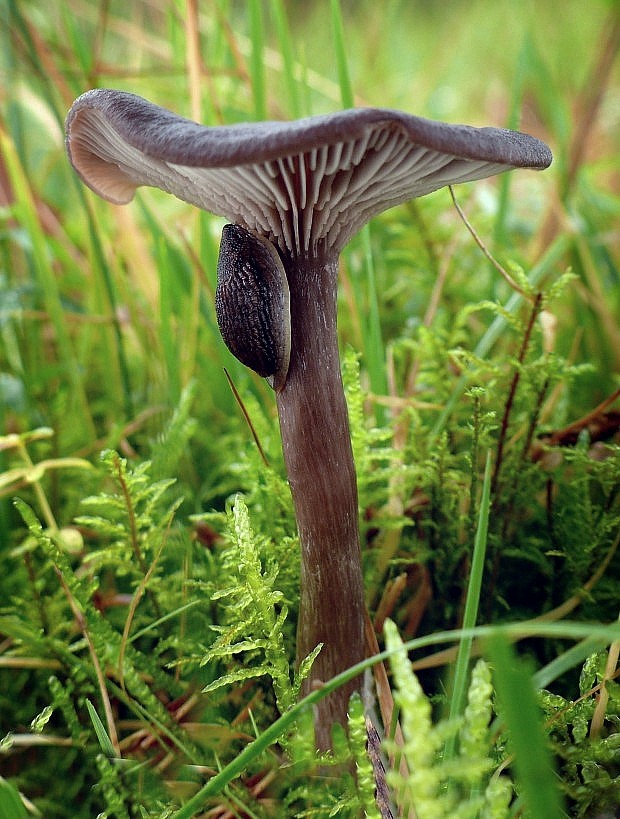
pixel 308 185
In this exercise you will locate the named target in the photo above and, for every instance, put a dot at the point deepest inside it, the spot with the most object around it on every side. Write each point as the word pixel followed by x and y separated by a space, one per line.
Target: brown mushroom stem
pixel 319 461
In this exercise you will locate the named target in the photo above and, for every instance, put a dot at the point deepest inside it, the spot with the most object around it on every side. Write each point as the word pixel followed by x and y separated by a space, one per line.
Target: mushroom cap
pixel 307 185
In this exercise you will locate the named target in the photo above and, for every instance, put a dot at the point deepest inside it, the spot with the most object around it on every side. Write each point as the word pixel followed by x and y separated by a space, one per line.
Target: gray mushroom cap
pixel 307 185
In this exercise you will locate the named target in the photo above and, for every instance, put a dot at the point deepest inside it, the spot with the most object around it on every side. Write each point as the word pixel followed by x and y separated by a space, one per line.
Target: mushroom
pixel 295 193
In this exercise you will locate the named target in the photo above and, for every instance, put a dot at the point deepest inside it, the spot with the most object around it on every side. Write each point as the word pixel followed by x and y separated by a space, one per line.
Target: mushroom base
pixel 319 460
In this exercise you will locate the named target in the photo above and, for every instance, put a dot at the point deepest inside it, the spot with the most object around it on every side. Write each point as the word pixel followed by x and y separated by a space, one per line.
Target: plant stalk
pixel 319 459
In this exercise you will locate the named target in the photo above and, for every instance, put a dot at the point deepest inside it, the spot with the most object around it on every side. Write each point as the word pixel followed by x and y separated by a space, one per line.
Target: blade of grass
pixel 33 63
pixel 103 272
pixel 26 213
pixel 11 805
pixel 11 113
pixel 192 275
pixel 80 47
pixel 167 314
pixel 100 731
pixel 285 42
pixel 527 740
pixel 374 348
pixel 52 95
pixel 257 58
pixel 512 121
pixel 192 59
pixel 472 601
pixel 575 655
pixel 344 80
pixel 374 352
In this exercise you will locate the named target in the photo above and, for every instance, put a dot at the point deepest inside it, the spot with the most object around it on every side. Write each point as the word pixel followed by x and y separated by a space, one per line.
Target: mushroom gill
pixel 308 186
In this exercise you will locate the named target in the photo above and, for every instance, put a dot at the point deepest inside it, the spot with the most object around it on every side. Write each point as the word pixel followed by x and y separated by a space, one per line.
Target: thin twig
pixel 246 415
pixel 598 718
pixel 513 390
pixel 193 59
pixel 501 270
pixel 581 423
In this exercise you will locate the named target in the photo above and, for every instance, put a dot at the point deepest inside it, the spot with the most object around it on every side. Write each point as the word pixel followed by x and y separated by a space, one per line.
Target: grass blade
pixel 472 601
pixel 370 319
pixel 346 90
pixel 11 805
pixel 100 731
pixel 527 740
pixel 257 63
pixel 26 213
pixel 286 48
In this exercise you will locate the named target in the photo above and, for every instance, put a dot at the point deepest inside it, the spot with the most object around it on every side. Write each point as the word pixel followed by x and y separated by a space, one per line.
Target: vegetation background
pixel 128 602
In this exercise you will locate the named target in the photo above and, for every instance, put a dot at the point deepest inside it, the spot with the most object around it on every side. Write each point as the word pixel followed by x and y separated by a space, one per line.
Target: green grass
pixel 147 627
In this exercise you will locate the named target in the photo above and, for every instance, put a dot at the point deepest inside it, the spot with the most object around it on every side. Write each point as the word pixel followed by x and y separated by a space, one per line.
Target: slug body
pixel 252 303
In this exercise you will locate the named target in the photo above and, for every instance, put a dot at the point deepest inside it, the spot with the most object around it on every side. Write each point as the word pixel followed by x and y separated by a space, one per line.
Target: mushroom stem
pixel 319 460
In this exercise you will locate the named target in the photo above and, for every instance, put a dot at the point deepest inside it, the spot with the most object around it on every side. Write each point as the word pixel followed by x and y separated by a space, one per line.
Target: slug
pixel 252 303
